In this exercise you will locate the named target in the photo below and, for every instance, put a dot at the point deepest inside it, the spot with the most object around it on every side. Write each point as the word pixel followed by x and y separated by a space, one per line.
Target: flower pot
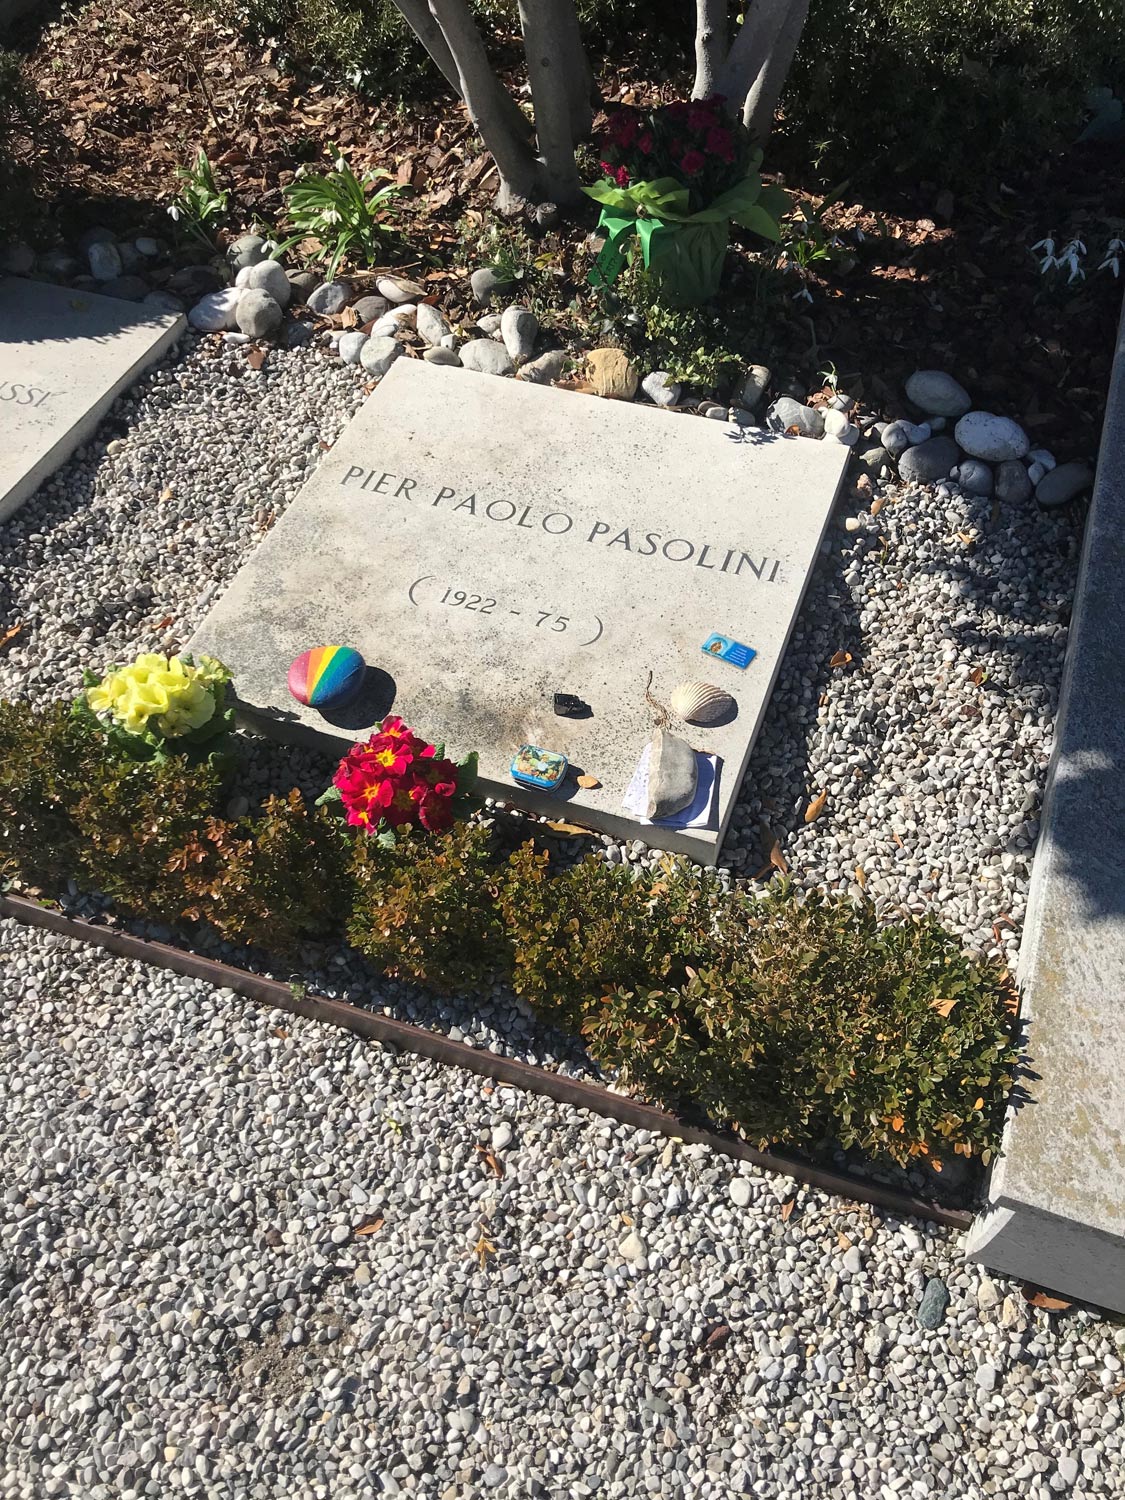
pixel 687 260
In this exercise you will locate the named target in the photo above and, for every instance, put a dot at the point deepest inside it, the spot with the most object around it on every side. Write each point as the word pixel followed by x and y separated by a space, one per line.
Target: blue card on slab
pixel 727 650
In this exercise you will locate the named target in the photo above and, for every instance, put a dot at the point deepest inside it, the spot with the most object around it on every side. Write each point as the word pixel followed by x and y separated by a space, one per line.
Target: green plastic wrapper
pixel 685 252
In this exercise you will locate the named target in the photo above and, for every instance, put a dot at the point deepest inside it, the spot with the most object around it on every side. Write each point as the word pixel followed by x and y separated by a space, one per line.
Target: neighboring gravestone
pixel 487 543
pixel 64 356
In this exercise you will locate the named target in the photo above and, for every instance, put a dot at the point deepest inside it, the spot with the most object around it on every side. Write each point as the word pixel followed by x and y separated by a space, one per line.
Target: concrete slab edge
pixel 1013 1235
pixel 82 430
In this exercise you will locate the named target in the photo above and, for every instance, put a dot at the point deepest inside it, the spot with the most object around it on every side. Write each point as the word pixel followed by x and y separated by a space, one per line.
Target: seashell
pixel 399 288
pixel 700 702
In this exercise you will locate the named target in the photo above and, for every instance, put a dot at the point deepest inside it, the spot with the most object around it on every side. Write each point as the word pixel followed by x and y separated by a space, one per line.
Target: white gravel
pixel 187 1307
pixel 933 778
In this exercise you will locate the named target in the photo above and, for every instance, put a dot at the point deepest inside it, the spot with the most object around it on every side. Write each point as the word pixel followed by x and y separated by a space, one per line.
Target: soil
pixel 936 282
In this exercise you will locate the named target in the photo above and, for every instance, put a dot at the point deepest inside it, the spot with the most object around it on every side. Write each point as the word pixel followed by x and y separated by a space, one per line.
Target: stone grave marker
pixel 64 356
pixel 487 544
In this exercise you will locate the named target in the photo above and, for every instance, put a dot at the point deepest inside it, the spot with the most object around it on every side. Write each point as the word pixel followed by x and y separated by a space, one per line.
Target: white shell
pixel 700 703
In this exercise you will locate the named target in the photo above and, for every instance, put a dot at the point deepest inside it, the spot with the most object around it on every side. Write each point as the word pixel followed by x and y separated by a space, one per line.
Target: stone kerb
pixel 1056 1211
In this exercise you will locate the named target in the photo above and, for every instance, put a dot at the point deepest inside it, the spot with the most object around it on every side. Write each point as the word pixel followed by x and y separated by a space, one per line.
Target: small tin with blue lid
pixel 545 770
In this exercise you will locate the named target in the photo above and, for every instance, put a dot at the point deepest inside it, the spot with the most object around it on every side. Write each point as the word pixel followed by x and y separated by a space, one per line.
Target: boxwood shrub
pixel 802 1021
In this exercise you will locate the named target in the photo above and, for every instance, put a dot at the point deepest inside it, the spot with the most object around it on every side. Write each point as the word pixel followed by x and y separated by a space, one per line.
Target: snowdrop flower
pixel 804 292
pixel 1113 253
pixel 1069 257
pixel 1048 263
pixel 331 215
pixel 340 164
pixel 174 213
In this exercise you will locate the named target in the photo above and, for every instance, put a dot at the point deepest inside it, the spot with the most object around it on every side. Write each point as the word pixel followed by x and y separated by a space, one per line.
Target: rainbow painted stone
pixel 326 676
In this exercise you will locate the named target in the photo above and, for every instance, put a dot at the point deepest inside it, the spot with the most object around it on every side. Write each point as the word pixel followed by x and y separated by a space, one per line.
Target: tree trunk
pixel 416 14
pixel 765 91
pixel 575 68
pixel 710 45
pixel 757 64
pixel 478 86
pixel 544 27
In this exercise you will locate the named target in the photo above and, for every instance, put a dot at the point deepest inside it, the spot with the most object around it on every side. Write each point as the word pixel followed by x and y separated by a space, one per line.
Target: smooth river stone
pixel 326 676
pixel 938 394
pixel 983 434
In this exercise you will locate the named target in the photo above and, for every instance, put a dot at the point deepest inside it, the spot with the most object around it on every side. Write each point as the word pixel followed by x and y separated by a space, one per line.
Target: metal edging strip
pixel 416 1039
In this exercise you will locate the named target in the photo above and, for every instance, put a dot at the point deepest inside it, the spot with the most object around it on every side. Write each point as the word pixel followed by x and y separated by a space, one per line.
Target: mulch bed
pixel 938 283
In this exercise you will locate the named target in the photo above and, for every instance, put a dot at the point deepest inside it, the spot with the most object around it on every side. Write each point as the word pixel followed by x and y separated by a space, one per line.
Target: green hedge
pixel 803 1021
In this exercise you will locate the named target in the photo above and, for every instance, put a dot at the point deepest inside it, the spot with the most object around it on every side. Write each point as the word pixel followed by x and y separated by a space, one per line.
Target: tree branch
pixel 544 24
pixel 759 58
pixel 482 93
pixel 416 14
pixel 710 45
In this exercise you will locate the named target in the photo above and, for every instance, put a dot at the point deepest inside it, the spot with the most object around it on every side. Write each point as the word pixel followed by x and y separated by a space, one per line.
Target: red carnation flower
pixel 720 143
pixel 701 115
pixel 645 142
pixel 621 177
pixel 692 161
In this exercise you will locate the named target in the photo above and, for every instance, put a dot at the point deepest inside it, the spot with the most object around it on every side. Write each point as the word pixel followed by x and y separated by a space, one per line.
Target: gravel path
pixel 188 1308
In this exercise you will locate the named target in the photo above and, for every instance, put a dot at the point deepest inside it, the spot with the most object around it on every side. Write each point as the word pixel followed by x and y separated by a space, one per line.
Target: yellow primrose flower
pixel 209 669
pixel 189 709
pixel 103 697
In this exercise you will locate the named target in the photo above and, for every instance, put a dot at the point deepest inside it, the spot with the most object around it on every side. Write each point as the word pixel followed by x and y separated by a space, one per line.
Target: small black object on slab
pixel 568 706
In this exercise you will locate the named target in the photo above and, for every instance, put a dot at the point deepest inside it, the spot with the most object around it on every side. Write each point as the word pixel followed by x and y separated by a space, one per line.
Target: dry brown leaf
pixel 491 1161
pixel 10 634
pixel 369 1226
pixel 966 537
pixel 787 1209
pixel 589 782
pixel 860 878
pixel 877 504
pixel 166 494
pixel 897 840
pixel 718 1336
pixel 840 659
pixel 777 859
pixel 943 1007
pixel 563 827
pixel 1046 1301
pixel 842 1241
pixel 255 358
pixel 349 318
pixel 816 807
pixel 484 1248
pixel 976 676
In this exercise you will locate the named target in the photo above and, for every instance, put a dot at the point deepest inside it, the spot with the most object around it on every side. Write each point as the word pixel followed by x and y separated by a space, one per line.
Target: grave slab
pixel 487 543
pixel 65 355
pixel 1056 1202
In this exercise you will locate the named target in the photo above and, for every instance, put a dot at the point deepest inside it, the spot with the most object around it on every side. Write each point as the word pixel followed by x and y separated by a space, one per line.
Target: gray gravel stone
pixel 929 461
pixel 439 356
pixel 546 369
pixel 660 388
pixel 975 477
pixel 368 309
pixel 487 357
pixel 258 314
pixel 1013 483
pixel 936 393
pixel 268 276
pixel 935 1300
pixel 329 298
pixel 786 412
pixel 378 354
pixel 1062 484
pixel 350 346
pixel 104 260
pixel 983 434
pixel 485 281
pixel 432 324
pixel 519 328
pixel 247 250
